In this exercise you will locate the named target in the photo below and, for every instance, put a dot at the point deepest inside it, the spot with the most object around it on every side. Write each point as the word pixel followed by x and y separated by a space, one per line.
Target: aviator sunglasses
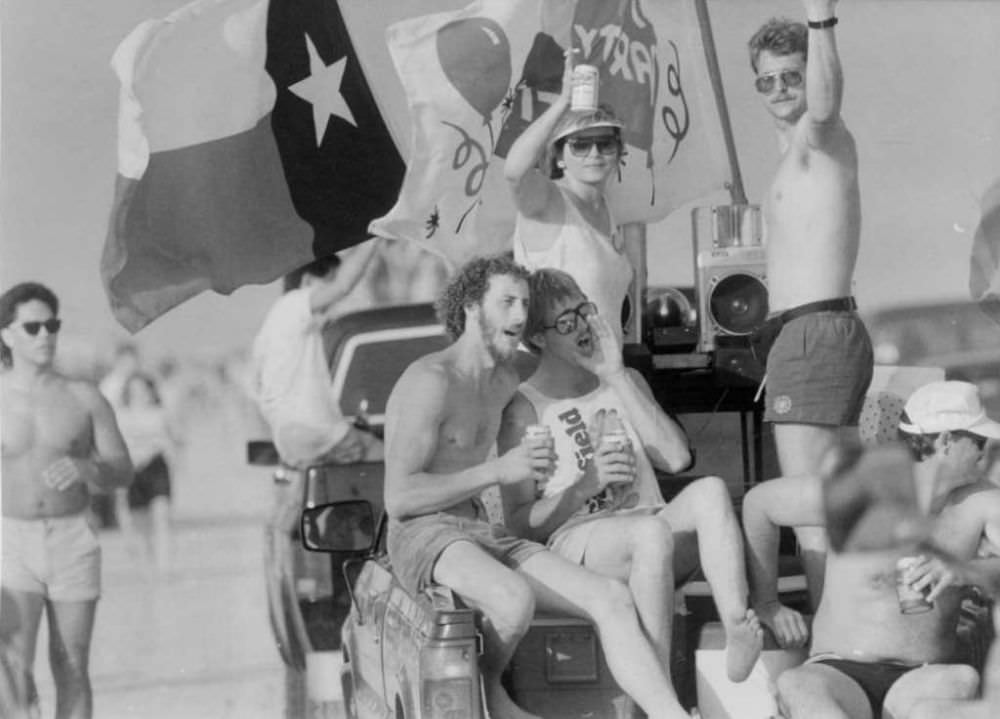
pixel 567 321
pixel 789 78
pixel 34 327
pixel 605 144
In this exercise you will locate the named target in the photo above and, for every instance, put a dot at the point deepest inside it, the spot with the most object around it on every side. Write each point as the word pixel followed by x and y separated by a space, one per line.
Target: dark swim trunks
pixel 874 678
pixel 819 369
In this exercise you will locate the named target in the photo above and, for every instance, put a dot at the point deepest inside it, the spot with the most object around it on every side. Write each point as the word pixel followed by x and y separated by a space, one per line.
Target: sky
pixel 921 97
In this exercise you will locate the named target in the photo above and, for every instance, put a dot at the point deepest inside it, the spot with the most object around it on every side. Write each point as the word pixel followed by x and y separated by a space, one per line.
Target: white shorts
pixel 57 557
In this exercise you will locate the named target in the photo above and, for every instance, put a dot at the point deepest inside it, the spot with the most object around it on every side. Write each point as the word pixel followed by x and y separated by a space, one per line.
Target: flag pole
pixel 736 192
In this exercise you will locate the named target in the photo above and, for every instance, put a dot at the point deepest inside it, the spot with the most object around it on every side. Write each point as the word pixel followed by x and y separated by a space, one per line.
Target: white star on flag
pixel 322 90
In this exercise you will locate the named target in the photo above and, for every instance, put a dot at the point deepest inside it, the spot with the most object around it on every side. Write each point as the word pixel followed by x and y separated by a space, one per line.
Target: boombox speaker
pixel 730 275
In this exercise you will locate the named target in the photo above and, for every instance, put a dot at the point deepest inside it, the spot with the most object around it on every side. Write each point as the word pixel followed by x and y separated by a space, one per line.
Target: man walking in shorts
pixel 60 440
pixel 820 364
pixel 441 422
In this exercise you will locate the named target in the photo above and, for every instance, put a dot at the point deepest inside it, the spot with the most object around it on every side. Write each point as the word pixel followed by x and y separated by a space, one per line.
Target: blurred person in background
pixel 291 377
pixel 60 442
pixel 152 444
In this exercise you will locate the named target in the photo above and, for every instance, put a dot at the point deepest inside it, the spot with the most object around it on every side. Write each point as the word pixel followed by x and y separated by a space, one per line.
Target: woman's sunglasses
pixel 789 78
pixel 51 326
pixel 605 144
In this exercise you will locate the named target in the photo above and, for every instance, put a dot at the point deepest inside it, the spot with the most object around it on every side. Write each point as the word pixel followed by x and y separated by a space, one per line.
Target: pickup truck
pixel 309 596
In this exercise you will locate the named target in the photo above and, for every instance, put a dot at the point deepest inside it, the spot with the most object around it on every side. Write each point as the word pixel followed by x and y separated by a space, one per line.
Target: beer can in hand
pixel 584 95
pixel 537 434
pixel 911 601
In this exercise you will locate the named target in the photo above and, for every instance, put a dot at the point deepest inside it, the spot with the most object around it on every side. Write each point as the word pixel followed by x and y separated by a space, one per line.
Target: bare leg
pixel 705 509
pixel 815 691
pixel 507 604
pixel 800 451
pixel 933 681
pixel 562 586
pixel 639 551
pixel 159 519
pixel 20 616
pixel 71 626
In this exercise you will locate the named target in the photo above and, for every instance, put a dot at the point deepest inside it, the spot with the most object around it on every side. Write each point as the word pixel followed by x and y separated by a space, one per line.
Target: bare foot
pixel 744 640
pixel 500 706
pixel 788 626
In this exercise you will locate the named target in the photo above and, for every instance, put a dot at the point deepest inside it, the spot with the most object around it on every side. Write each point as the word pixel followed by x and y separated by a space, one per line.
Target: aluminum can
pixel 584 93
pixel 911 601
pixel 617 437
pixel 535 432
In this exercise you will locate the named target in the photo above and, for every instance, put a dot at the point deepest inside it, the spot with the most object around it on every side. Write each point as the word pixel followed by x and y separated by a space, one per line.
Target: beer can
pixel 911 601
pixel 536 432
pixel 618 438
pixel 584 93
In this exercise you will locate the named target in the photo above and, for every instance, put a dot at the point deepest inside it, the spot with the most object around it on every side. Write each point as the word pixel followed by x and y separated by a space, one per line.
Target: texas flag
pixel 249 144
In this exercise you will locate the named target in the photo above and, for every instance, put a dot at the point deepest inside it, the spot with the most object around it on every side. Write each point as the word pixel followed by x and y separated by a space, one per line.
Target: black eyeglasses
pixel 977 439
pixel 51 326
pixel 567 321
pixel 605 144
pixel 789 78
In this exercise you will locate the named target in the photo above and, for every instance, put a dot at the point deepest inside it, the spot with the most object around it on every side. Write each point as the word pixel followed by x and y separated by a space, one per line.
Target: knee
pixel 712 497
pixel 651 537
pixel 794 683
pixel 613 601
pixel 512 606
pixel 962 682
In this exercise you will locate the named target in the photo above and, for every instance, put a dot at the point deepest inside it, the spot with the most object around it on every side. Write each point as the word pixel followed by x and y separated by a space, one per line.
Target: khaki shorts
pixel 57 557
pixel 819 370
pixel 415 545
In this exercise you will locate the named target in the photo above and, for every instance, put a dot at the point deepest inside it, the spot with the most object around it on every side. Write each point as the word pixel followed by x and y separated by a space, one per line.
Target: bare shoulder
pixel 426 378
pixel 87 393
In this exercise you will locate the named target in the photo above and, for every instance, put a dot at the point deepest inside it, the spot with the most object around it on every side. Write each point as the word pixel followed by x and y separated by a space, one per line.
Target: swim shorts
pixel 150 482
pixel 57 557
pixel 415 545
pixel 819 370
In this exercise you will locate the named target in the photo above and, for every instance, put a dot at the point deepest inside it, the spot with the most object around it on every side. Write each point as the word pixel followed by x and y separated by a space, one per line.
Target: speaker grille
pixel 738 303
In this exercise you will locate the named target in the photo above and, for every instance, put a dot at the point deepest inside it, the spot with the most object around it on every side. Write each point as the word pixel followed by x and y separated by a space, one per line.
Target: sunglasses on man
pixel 766 83
pixel 605 144
pixel 566 322
pixel 34 327
pixel 977 439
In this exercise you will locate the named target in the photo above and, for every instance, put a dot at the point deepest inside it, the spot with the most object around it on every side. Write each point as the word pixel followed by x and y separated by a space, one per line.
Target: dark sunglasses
pixel 605 144
pixel 977 439
pixel 789 78
pixel 567 321
pixel 51 326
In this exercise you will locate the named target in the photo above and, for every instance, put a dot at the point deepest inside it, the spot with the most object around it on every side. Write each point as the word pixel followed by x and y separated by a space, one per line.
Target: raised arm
pixel 824 76
pixel 353 263
pixel 663 440
pixel 530 187
pixel 416 411
pixel 782 502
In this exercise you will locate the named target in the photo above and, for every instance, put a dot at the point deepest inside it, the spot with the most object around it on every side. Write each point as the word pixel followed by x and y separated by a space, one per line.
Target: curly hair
pixel 548 286
pixel 15 297
pixel 780 36
pixel 469 286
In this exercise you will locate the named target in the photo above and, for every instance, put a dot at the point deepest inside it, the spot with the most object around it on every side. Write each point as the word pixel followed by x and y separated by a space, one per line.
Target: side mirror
pixel 262 453
pixel 339 527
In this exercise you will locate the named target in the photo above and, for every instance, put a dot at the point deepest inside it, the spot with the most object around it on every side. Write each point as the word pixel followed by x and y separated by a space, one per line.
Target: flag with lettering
pixel 249 144
pixel 475 77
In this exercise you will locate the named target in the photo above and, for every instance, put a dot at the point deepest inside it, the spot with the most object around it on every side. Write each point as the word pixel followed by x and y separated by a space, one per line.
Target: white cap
pixel 947 406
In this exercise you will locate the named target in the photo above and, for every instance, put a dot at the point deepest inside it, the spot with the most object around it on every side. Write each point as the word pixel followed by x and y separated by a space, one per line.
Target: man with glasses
pixel 602 507
pixel 60 441
pixel 815 349
pixel 869 656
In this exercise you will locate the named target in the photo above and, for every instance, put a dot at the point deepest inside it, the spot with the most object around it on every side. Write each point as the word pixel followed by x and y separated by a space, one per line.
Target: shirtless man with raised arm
pixel 60 440
pixel 442 420
pixel 867 658
pixel 812 218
